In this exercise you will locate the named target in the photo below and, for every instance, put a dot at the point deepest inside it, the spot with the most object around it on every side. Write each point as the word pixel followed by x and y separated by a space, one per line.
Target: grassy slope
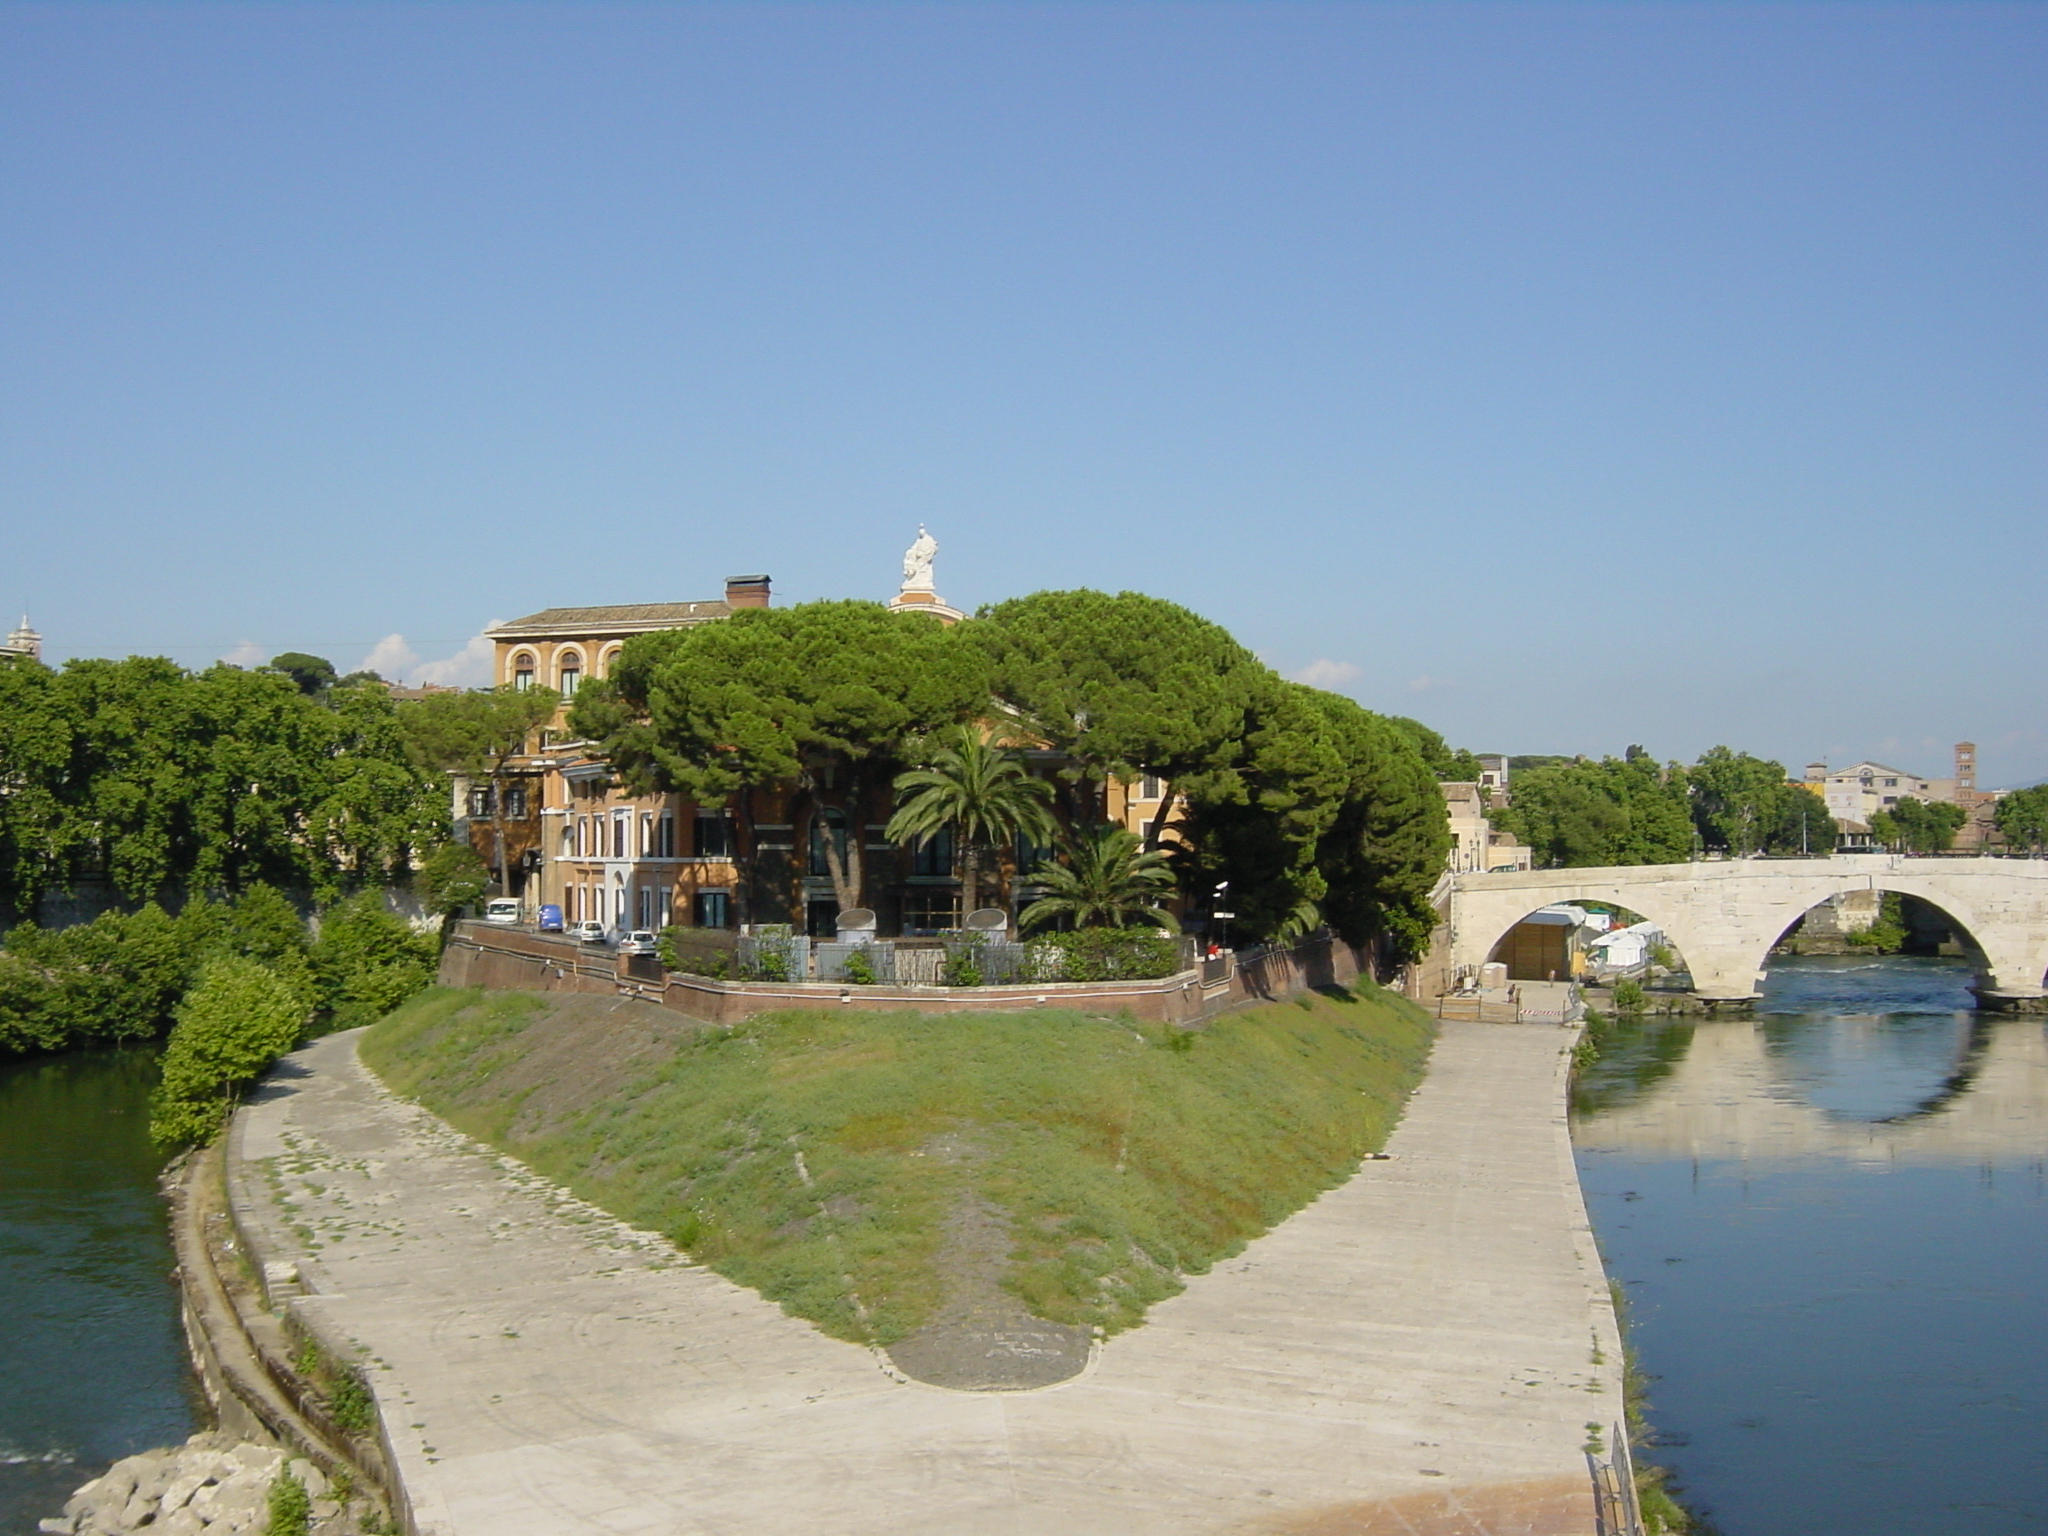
pixel 798 1149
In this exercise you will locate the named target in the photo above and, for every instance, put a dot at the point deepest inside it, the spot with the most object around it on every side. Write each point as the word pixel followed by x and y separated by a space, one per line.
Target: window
pixel 643 907
pixel 605 663
pixel 714 840
pixel 932 855
pixel 665 840
pixel 646 837
pixel 480 801
pixel 571 673
pixel 711 908
pixel 515 802
pixel 1891 783
pixel 620 819
pixel 522 671
pixel 829 820
pixel 926 910
pixel 582 835
pixel 1031 854
pixel 1148 787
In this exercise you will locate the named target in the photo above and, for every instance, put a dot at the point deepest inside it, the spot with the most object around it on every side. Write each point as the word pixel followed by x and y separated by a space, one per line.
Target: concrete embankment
pixel 1424 1349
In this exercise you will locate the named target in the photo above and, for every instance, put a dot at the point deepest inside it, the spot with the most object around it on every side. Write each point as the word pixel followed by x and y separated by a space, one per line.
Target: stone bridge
pixel 1723 916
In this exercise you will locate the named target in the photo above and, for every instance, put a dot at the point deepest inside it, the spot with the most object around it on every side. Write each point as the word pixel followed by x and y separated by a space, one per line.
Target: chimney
pixel 746 591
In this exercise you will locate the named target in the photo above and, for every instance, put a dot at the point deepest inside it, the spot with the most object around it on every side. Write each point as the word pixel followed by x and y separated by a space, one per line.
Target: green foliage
pixel 2023 818
pixel 367 960
pixel 291 1507
pixel 1615 811
pixel 1109 878
pixel 768 965
pixel 1113 954
pixel 859 970
pixel 239 1017
pixel 1887 935
pixel 979 791
pixel 961 971
pixel 1446 765
pixel 452 877
pixel 349 1402
pixel 1628 996
pixel 1918 826
pixel 1121 1161
pixel 311 675
pixel 168 781
pixel 1743 805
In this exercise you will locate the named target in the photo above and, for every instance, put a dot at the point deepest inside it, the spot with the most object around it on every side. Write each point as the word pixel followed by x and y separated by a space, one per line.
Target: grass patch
pixel 798 1152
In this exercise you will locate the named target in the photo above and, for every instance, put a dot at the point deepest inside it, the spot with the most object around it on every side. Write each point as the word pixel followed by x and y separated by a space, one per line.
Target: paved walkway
pixel 1419 1351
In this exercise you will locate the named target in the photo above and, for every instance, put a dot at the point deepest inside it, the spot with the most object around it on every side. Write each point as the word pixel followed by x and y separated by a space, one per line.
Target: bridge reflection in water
pixel 1831 1222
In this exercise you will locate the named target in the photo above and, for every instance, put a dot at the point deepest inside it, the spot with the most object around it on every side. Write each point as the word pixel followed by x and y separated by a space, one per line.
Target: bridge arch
pixel 1725 915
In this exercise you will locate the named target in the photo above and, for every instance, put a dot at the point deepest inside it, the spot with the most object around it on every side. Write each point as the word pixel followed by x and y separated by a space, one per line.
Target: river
pixel 1831 1226
pixel 93 1365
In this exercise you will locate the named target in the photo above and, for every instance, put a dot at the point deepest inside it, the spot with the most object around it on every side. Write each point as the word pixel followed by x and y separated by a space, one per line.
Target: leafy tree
pixel 1451 767
pixel 1577 814
pixel 1918 826
pixel 2023 818
pixel 1110 879
pixel 477 733
pixel 822 696
pixel 1739 801
pixel 311 675
pixel 238 1019
pixel 980 791
pixel 367 960
pixel 1804 825
pixel 452 877
pixel 1124 686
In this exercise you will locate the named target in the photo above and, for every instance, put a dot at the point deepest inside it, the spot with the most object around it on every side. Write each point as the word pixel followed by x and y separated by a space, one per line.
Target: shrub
pixel 368 960
pixel 291 1507
pixel 238 1019
pixel 1628 996
pixel 453 876
pixel 860 969
pixel 769 965
pixel 961 971
pixel 1114 954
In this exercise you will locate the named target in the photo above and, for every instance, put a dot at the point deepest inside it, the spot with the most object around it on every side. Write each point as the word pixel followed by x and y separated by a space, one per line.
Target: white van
pixel 502 909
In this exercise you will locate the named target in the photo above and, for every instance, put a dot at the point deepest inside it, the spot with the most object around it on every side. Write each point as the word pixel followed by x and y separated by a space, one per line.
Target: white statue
pixel 917 562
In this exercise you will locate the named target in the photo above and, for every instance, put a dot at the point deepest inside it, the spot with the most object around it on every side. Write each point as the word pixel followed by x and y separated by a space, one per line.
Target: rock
pixel 197 1473
pixel 310 1478
pixel 258 1458
pixel 326 1509
pixel 180 1522
pixel 138 1511
pixel 55 1526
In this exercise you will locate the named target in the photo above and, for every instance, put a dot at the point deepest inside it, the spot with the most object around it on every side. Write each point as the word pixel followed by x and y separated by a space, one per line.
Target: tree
pixel 1449 766
pixel 2023 818
pixel 1110 879
pixel 452 877
pixel 1739 801
pixel 238 1018
pixel 1918 826
pixel 367 960
pixel 1577 814
pixel 477 733
pixel 821 696
pixel 1124 686
pixel 311 675
pixel 980 791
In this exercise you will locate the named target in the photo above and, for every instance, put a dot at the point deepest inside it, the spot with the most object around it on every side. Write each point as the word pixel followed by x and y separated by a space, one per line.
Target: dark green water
pixel 92 1363
pixel 1832 1226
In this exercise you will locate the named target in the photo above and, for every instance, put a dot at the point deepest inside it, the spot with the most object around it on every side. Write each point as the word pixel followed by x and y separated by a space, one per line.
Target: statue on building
pixel 23 642
pixel 917 562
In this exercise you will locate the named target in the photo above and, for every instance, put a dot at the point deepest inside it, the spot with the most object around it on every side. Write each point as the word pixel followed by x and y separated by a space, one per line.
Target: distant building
pixel 1477 846
pixel 24 642
pixel 1493 777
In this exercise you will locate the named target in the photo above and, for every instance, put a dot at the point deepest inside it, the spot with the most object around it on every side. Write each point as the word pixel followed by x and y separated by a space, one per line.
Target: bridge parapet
pixel 1723 916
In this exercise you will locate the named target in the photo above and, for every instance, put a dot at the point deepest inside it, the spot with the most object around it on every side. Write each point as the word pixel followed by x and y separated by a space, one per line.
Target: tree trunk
pixel 498 834
pixel 970 877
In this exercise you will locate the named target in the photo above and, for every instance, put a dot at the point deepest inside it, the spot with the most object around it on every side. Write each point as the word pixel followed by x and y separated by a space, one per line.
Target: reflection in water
pixel 1830 1222
pixel 92 1366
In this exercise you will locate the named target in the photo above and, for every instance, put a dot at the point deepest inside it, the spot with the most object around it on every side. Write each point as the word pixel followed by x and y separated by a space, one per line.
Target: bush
pixel 1628 996
pixel 1114 954
pixel 961 971
pixel 368 960
pixel 860 969
pixel 238 1018
pixel 769 965
pixel 453 876
pixel 291 1507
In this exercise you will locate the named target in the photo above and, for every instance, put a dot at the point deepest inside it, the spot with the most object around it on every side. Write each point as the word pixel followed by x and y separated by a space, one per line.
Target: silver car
pixel 640 942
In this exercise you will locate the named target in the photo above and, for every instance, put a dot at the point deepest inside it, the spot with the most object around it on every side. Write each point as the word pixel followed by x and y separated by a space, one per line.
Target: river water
pixel 1831 1226
pixel 92 1363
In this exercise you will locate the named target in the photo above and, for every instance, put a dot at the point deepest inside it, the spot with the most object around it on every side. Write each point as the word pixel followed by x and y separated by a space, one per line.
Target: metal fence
pixel 902 963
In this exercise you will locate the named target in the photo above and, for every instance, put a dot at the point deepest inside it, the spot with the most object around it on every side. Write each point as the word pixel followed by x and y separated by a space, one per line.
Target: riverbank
pixel 1428 1343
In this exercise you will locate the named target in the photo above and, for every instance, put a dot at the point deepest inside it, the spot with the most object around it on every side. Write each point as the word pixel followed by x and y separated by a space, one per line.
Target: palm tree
pixel 979 791
pixel 1110 878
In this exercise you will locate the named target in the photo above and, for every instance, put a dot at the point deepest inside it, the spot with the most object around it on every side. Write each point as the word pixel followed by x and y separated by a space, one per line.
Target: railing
pixel 901 963
pixel 1616 1511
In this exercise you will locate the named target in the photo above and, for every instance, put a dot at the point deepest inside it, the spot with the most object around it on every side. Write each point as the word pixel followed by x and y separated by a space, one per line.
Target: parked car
pixel 589 931
pixel 502 909
pixel 550 919
pixel 639 942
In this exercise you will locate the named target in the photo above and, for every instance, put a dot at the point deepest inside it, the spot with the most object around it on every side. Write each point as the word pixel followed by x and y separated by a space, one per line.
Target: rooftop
pixel 615 618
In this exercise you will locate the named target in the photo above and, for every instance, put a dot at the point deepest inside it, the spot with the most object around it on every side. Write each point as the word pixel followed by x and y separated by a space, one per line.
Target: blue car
pixel 550 920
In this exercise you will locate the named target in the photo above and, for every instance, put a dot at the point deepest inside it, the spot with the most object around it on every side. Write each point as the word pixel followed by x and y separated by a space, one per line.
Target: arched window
pixel 522 671
pixel 570 670
pixel 607 660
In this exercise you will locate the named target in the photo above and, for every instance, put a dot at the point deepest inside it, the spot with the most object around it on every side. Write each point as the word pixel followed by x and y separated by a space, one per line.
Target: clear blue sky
pixel 1566 376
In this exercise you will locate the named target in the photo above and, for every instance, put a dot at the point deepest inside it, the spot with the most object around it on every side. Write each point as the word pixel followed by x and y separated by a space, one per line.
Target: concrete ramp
pixel 1421 1351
